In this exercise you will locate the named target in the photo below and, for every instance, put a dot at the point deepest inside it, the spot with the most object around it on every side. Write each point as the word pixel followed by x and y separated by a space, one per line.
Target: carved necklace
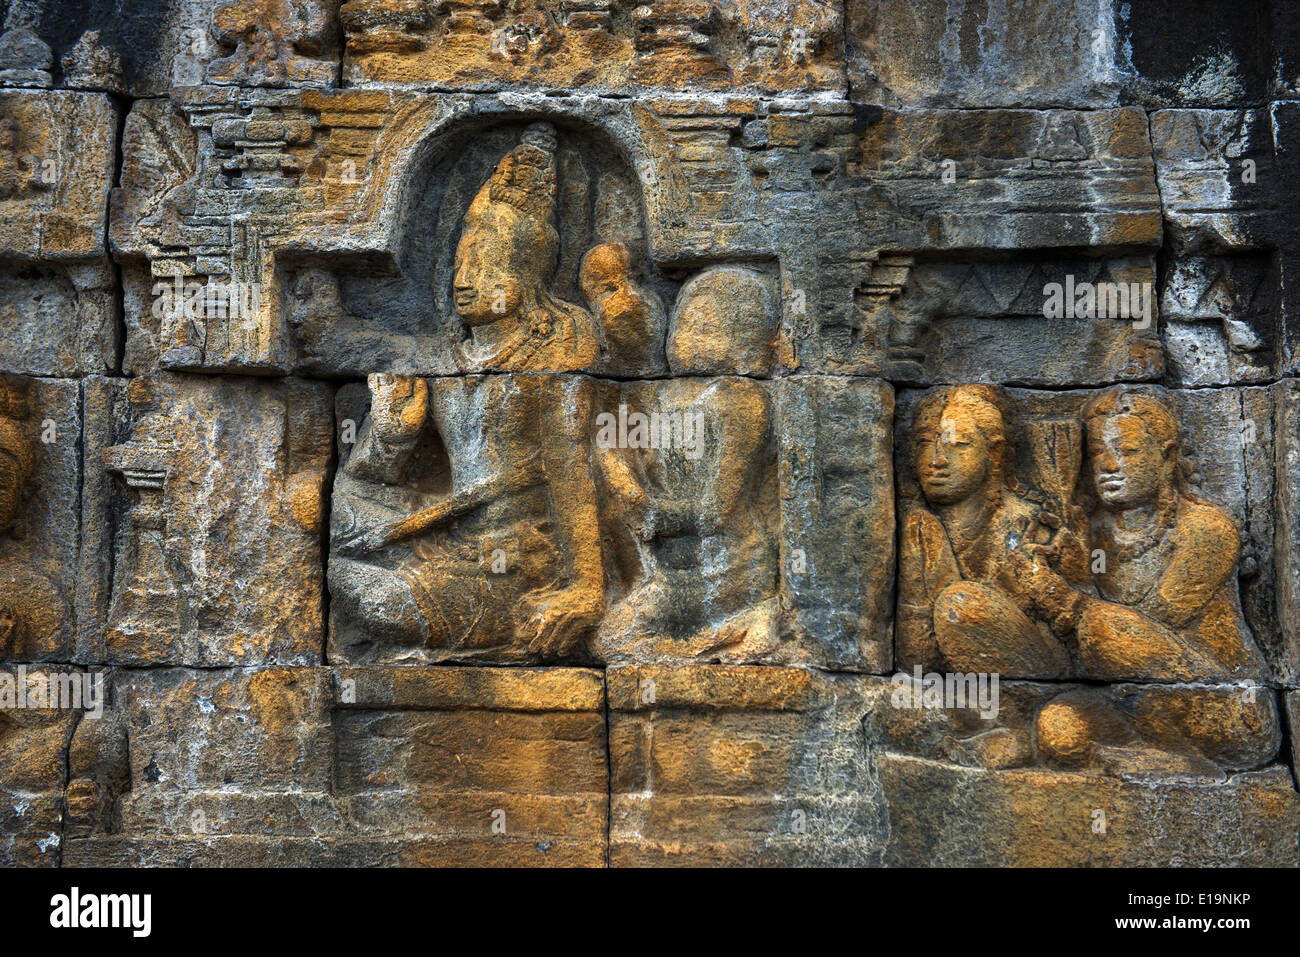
pixel 963 539
pixel 1166 511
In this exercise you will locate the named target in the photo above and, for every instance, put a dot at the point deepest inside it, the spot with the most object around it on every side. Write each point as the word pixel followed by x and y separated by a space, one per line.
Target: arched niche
pixel 398 313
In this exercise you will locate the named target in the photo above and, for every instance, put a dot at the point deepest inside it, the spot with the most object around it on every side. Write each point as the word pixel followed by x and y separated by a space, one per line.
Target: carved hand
pixel 398 406
pixel 1027 572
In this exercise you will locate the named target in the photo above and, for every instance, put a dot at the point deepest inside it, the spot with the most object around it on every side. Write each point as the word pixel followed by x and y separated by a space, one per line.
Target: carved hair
pixel 525 177
pixel 987 410
pixel 1157 416
pixel 518 202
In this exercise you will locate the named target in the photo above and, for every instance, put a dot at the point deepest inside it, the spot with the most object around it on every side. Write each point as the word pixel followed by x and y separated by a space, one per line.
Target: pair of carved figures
pixel 1111 569
pixel 466 519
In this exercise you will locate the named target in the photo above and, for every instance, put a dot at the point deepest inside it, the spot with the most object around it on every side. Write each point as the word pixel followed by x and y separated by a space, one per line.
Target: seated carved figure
pixel 495 552
pixel 1166 607
pixel 990 581
pixel 957 606
pixel 32 609
pixel 504 261
pixel 693 520
pixel 695 525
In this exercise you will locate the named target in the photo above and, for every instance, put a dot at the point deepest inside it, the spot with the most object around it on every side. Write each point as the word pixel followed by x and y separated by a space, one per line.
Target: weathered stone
pixel 586 321
pixel 679 44
pixel 33 753
pixel 942 816
pixel 1278 583
pixel 61 321
pixel 25 59
pixel 966 782
pixel 1045 53
pixel 524 777
pixel 40 479
pixel 688 484
pixel 275 43
pixel 1221 294
pixel 1002 166
pixel 223 766
pixel 476 490
pixel 56 166
pixel 1001 53
pixel 740 765
pixel 213 514
pixel 1229 462
pixel 91 66
pixel 1194 55
pixel 837 520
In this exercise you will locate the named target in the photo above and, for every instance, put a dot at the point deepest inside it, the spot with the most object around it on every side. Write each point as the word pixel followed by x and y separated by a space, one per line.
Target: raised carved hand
pixel 398 407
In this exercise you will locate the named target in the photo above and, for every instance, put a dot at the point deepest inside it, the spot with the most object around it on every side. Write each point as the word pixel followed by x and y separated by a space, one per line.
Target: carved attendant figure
pixel 957 604
pixel 1168 608
pixel 699 519
pixel 632 319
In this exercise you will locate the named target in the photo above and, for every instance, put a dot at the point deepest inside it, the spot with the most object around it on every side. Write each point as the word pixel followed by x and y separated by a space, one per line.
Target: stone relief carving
pixel 33 608
pixel 449 478
pixel 597 43
pixel 504 259
pixel 669 374
pixel 960 599
pixel 1108 568
pixel 181 524
pixel 533 244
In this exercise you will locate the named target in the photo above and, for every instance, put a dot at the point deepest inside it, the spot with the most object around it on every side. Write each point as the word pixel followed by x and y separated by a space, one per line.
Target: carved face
pixel 485 285
pixel 1129 464
pixel 503 257
pixel 953 458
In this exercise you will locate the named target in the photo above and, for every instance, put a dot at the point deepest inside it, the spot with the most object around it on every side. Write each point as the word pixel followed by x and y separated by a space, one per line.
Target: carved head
pixel 605 270
pixel 508 249
pixel 17 457
pixel 1133 447
pixel 960 443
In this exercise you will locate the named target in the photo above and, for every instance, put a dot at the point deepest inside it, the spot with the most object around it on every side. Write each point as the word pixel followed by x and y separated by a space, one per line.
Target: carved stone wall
pixel 589 432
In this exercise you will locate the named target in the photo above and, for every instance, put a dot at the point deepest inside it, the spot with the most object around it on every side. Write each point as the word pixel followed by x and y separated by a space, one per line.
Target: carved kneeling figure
pixel 957 606
pixel 1166 609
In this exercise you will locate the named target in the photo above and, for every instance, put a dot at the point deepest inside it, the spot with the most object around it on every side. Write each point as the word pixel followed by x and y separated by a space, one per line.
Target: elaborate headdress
pixel 525 177
pixel 518 200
